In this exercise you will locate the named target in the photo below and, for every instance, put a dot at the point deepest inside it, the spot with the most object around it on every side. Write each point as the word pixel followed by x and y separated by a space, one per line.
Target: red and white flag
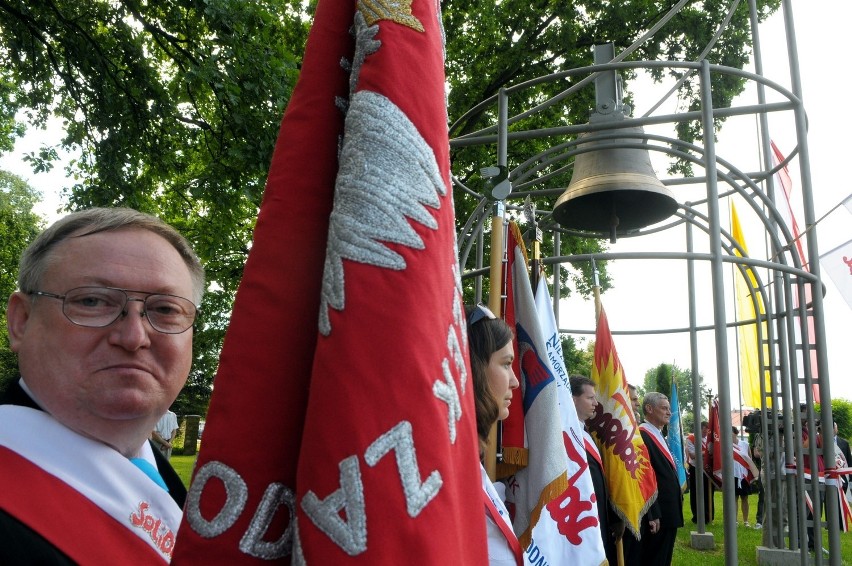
pixel 342 426
pixel 789 216
pixel 545 477
pixel 712 451
pixel 576 521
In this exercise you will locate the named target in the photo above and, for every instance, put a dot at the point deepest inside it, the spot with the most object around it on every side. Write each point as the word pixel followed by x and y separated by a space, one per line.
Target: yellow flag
pixel 747 334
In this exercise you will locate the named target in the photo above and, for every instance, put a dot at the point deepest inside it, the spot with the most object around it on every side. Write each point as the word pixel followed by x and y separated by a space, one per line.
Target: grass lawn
pixel 748 539
pixel 183 466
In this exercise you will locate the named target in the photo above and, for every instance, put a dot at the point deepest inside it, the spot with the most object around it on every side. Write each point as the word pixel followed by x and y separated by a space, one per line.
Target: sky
pixel 651 294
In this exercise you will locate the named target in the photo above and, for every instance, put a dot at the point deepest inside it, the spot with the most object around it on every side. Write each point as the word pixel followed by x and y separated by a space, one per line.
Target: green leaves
pixel 18 226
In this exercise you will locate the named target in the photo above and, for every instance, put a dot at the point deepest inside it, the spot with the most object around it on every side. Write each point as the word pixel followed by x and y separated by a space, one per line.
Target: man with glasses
pixel 102 326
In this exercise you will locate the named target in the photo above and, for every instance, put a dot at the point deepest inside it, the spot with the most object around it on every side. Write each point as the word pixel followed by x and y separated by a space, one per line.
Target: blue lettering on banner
pixel 554 354
pixel 535 556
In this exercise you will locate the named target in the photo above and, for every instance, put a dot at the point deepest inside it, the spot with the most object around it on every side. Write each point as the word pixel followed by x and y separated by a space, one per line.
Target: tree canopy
pixel 18 226
pixel 174 106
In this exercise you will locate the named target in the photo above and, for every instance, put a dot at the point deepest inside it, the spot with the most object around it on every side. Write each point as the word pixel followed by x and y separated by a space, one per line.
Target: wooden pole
pixel 495 303
pixel 597 291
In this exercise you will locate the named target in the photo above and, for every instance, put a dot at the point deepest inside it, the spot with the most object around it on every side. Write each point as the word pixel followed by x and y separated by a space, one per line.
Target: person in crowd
pixel 689 448
pixel 811 470
pixel 757 456
pixel 491 357
pixel 742 486
pixel 665 517
pixel 843 448
pixel 102 327
pixel 585 402
pixel 634 402
pixel 165 432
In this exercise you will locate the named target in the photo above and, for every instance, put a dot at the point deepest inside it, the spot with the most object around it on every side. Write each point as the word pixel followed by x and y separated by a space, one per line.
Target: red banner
pixel 342 428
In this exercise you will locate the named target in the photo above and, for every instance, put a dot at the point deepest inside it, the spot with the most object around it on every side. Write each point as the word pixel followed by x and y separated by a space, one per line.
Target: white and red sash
pixel 592 448
pixel 496 511
pixel 742 458
pixel 658 439
pixel 61 473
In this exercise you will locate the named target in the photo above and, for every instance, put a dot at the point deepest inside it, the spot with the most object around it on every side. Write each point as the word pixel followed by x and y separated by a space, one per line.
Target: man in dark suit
pixel 665 517
pixel 585 401
pixel 103 333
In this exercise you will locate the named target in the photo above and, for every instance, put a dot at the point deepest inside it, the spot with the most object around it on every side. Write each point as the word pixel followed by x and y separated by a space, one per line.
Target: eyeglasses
pixel 478 313
pixel 98 307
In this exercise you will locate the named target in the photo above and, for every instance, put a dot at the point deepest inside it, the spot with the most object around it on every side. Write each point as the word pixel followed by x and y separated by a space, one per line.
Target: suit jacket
pixel 599 484
pixel 669 504
pixel 30 547
pixel 843 444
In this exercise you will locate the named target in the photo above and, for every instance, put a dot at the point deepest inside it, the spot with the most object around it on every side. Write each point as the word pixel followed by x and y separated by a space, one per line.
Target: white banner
pixel 585 534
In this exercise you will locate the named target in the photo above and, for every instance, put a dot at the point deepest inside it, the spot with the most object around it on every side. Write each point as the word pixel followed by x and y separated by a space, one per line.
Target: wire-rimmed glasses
pixel 98 307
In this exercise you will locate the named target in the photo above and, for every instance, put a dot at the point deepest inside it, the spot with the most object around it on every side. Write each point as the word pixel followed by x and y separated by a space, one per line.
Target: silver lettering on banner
pixel 401 441
pixel 252 542
pixel 349 535
pixel 446 391
pixel 236 494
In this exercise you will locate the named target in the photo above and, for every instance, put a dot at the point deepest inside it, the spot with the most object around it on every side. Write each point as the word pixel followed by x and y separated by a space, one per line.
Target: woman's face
pixel 501 378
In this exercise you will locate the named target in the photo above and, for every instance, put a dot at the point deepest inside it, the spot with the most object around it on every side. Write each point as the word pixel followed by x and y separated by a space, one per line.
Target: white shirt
pixel 167 425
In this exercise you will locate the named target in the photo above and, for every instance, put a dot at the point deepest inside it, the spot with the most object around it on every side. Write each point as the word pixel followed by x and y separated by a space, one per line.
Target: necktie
pixel 149 471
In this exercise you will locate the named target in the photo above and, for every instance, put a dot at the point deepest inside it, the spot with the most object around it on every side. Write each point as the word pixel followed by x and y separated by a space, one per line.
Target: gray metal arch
pixel 790 294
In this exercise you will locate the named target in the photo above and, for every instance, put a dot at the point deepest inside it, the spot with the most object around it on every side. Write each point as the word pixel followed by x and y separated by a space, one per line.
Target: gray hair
pixel 39 254
pixel 653 398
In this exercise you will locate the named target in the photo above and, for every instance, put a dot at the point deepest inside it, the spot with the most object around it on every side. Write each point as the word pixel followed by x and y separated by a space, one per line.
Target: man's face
pixel 109 383
pixel 634 400
pixel 585 403
pixel 659 415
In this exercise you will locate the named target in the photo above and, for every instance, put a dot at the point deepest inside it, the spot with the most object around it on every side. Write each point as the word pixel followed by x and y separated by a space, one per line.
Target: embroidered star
pixel 398 11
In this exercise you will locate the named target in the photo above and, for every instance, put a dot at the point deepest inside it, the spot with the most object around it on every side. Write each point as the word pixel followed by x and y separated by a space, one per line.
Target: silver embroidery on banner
pixel 401 440
pixel 350 534
pixel 387 177
pixel 253 542
pixel 236 494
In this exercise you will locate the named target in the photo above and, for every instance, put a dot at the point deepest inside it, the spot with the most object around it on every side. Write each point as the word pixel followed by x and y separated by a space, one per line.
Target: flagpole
pixel 597 291
pixel 497 274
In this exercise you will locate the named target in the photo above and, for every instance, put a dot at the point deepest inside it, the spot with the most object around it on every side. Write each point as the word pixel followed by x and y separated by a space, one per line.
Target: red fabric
pixel 513 442
pixel 66 518
pixel 712 450
pixel 593 452
pixel 257 410
pixel 293 408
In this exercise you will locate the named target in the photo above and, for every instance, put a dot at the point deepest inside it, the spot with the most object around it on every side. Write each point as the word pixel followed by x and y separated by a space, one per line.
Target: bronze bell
pixel 613 190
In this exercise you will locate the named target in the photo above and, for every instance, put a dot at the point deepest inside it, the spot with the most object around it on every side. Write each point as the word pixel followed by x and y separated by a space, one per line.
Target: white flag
pixel 838 265
pixel 587 547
